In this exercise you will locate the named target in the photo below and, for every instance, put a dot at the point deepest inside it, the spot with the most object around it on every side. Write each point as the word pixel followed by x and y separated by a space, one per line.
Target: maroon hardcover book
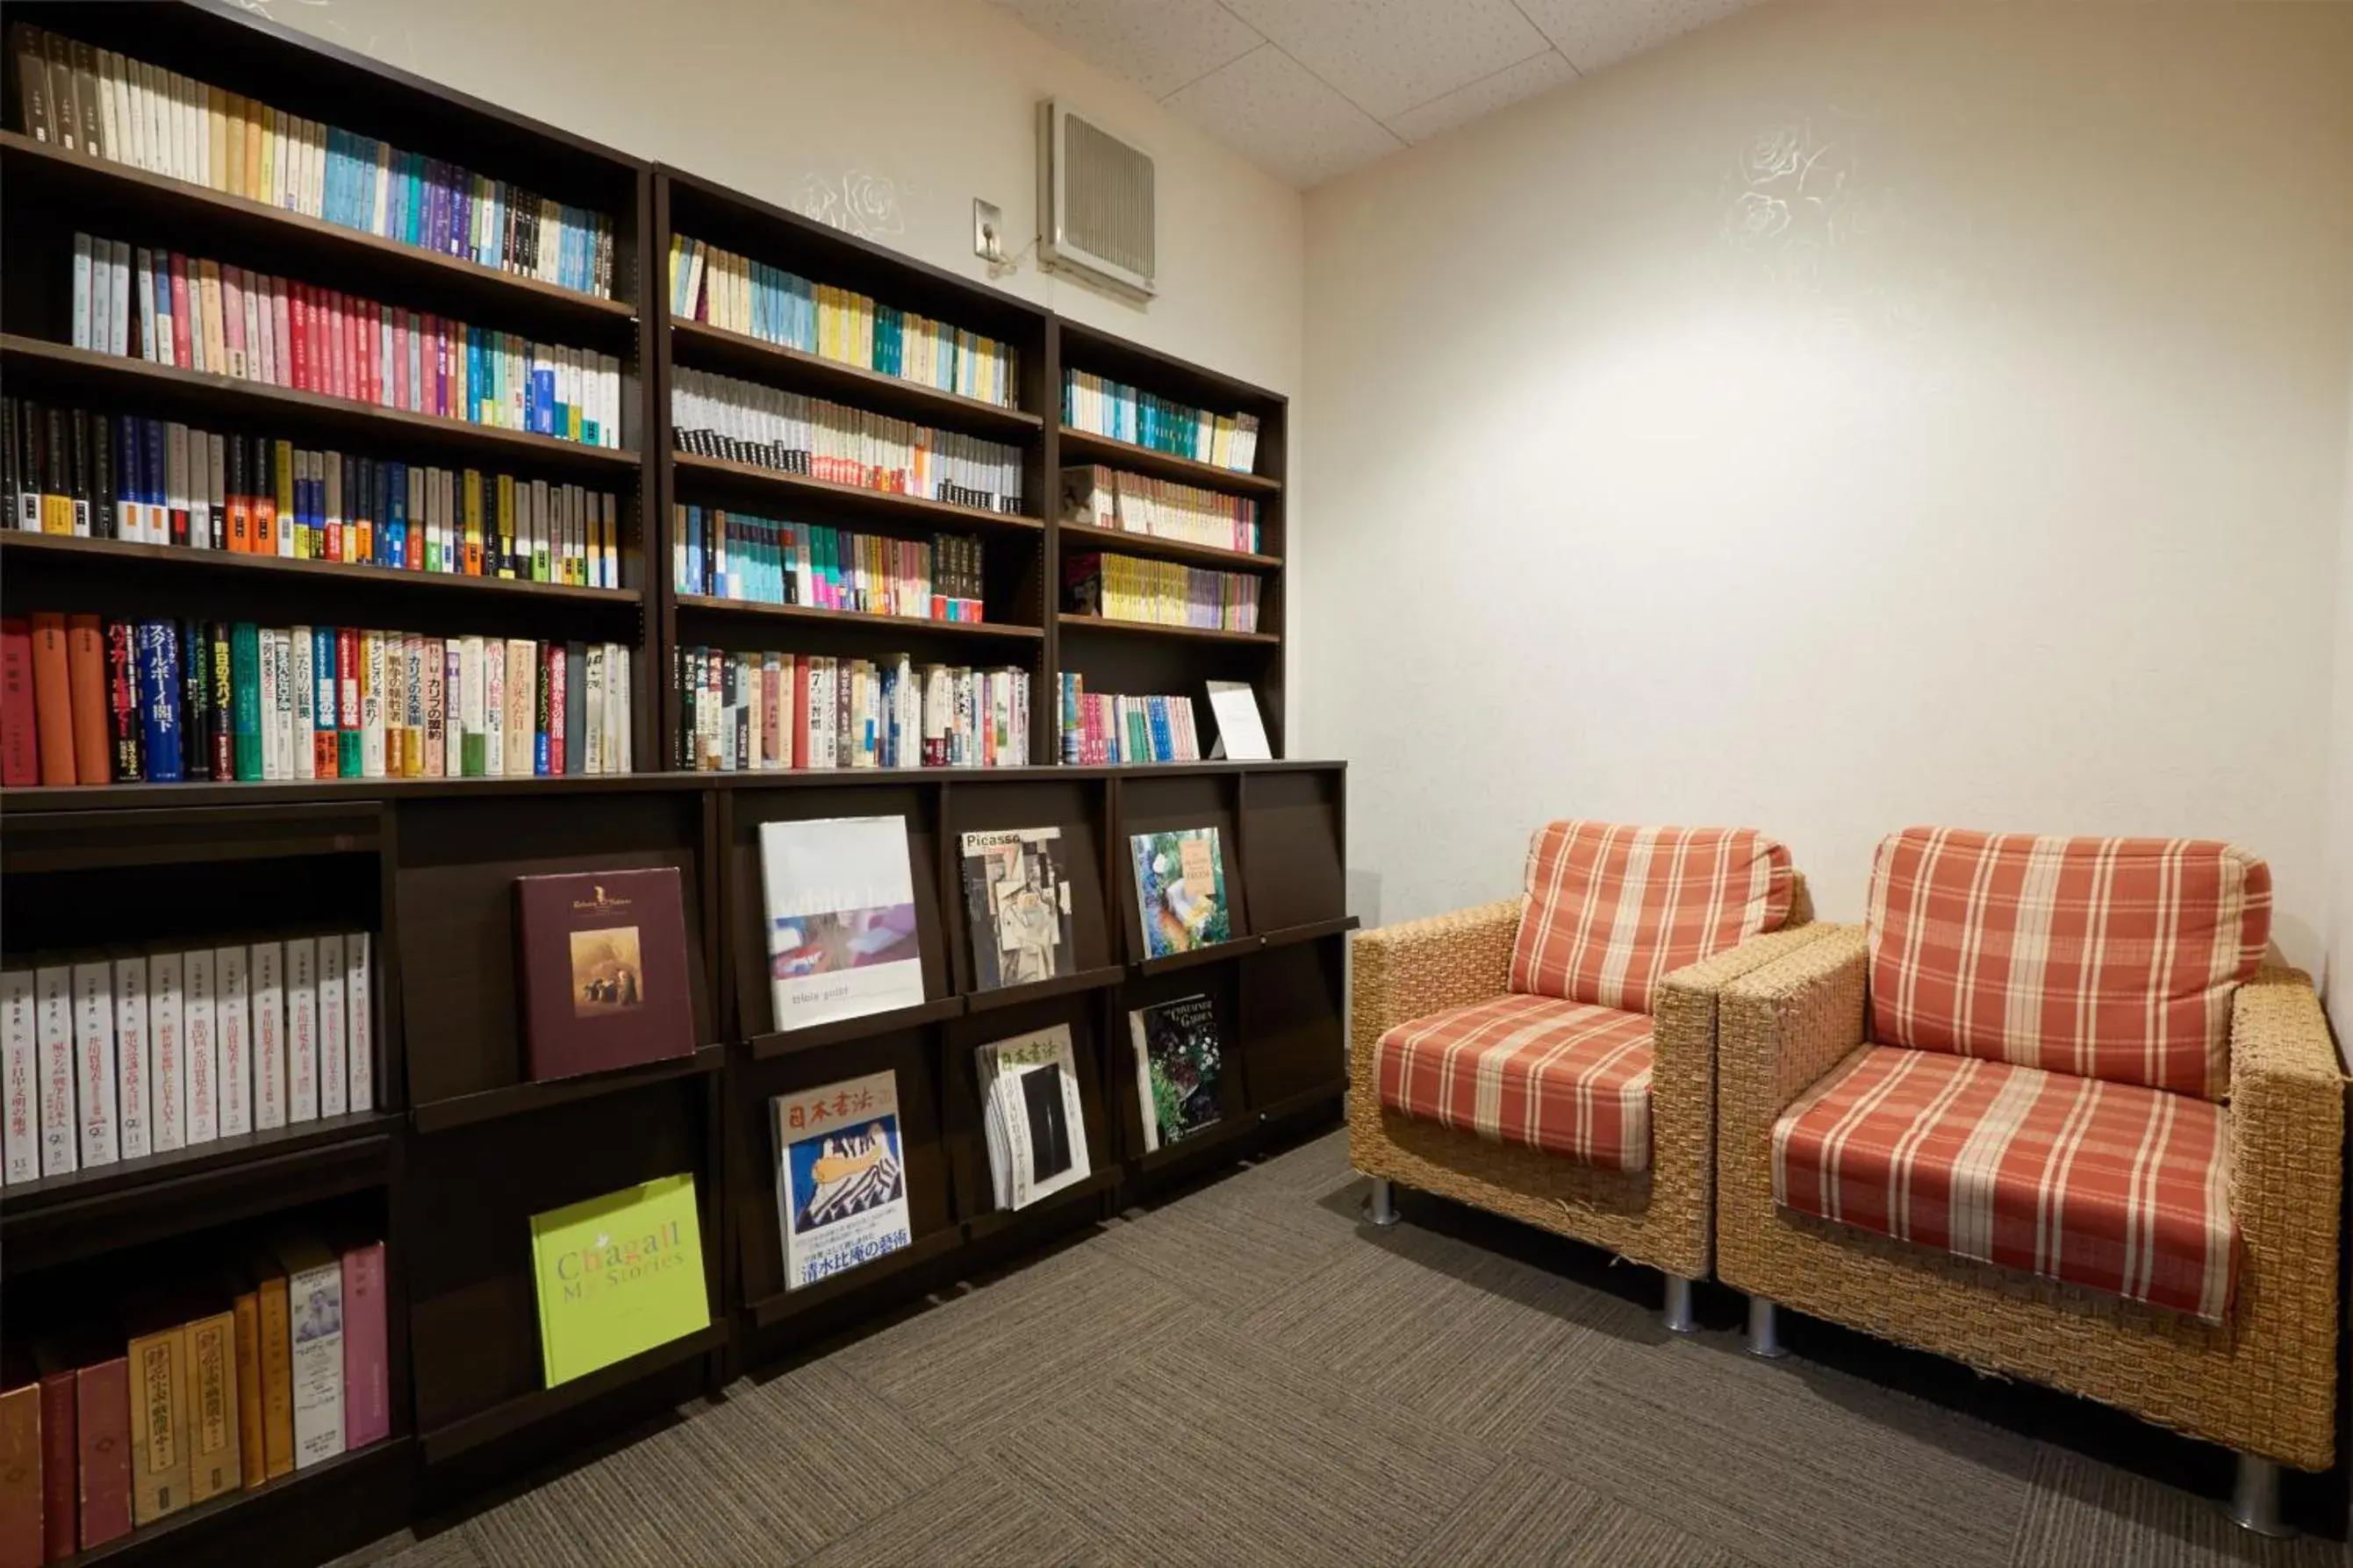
pixel 603 970
pixel 61 1462
pixel 103 1415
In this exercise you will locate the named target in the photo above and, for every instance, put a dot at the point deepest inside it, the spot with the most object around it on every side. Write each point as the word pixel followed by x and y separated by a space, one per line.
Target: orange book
pixel 251 1449
pixel 86 681
pixel 53 699
pixel 277 1365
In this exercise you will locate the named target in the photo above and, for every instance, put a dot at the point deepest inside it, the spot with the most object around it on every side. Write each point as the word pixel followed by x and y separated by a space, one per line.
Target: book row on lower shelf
pixel 1159 592
pixel 105 106
pixel 108 1057
pixel 1100 728
pixel 771 711
pixel 155 481
pixel 269 1359
pixel 87 700
pixel 1101 496
pixel 201 314
pixel 1113 409
pixel 735 555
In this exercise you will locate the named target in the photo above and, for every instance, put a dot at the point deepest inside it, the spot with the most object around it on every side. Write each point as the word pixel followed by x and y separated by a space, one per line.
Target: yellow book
pixel 282 454
pixel 233 144
pixel 215 137
pixel 257 177
pixel 159 1439
pixel 216 1459
pixel 275 162
pixel 209 317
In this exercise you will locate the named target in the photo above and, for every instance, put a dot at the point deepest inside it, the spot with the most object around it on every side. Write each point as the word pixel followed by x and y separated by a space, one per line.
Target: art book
pixel 617 1275
pixel 1018 905
pixel 1177 1066
pixel 1037 1130
pixel 841 1179
pixel 1180 890
pixel 603 970
pixel 841 919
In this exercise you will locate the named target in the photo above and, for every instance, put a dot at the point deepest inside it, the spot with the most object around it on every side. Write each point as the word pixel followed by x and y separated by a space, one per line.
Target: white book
pixel 494 706
pixel 302 682
pixel 81 286
pixel 167 1099
pixel 522 688
pixel 101 294
pixel 592 707
pixel 616 721
pixel 269 1036
pixel 333 1063
pixel 281 716
pixel 314 1299
pixel 303 1030
pixel 831 888
pixel 473 699
pixel 359 997
pixel 273 755
pixel 200 489
pixel 116 145
pixel 20 1139
pixel 233 1029
pixel 117 333
pixel 453 708
pixel 93 995
pixel 134 1067
pixel 148 346
pixel 138 112
pixel 196 1020
pixel 371 677
pixel 1033 1117
pixel 53 1029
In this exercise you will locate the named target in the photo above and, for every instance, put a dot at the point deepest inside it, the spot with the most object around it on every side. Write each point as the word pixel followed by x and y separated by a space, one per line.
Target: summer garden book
pixel 841 919
pixel 1177 1067
pixel 1180 890
pixel 605 970
pixel 841 1181
pixel 1018 906
pixel 1030 1104
pixel 617 1275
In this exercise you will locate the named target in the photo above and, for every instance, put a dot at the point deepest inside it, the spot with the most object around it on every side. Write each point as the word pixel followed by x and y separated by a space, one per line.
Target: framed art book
pixel 841 1179
pixel 617 1275
pixel 603 970
pixel 1018 906
pixel 841 919
pixel 1180 890
pixel 1178 1067
pixel 1036 1126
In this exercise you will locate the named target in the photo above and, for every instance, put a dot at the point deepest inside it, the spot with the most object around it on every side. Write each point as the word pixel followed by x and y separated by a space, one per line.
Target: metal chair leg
pixel 2256 1499
pixel 1765 1329
pixel 1678 1317
pixel 1381 1209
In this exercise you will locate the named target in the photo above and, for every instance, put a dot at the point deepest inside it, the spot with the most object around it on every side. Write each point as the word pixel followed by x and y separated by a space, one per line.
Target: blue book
pixel 159 699
pixel 323 697
pixel 692 570
pixel 543 393
pixel 331 186
pixel 412 212
pixel 395 507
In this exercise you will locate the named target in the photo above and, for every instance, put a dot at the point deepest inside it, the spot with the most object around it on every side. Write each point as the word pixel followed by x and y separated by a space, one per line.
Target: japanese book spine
pixel 333 1066
pixel 167 1097
pixel 60 1141
pixel 20 1142
pixel 94 1080
pixel 302 1029
pixel 233 1028
pixel 269 1034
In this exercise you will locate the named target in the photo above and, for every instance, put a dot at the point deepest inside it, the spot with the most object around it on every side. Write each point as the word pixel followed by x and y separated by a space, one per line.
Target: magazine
pixel 841 919
pixel 1176 1067
pixel 1180 890
pixel 1030 1102
pixel 1018 905
pixel 841 1179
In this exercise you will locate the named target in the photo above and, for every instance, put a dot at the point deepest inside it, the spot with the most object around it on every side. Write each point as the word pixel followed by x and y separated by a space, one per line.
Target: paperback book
pixel 1036 1129
pixel 604 970
pixel 1180 890
pixel 1177 1067
pixel 841 1179
pixel 1018 906
pixel 841 919
pixel 617 1275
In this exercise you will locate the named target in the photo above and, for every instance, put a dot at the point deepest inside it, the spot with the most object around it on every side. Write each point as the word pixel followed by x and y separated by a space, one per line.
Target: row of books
pixel 268 1363
pixel 1102 406
pixel 1161 592
pixel 103 105
pixel 749 713
pixel 1100 728
pixel 201 314
pixel 734 555
pixel 155 481
pixel 1102 497
pixel 741 295
pixel 744 421
pixel 86 701
pixel 107 1058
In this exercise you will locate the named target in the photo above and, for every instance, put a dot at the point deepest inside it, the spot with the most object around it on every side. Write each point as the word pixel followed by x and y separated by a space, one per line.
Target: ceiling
pixel 1311 89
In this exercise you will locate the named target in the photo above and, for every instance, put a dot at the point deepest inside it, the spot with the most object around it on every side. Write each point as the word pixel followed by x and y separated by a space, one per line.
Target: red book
pixel 180 322
pixel 800 711
pixel 21 1478
pixel 233 286
pixel 281 321
pixel 298 311
pixel 400 359
pixel 19 753
pixel 441 367
pixel 123 727
pixel 103 1402
pixel 362 312
pixel 347 679
pixel 60 1464
pixel 604 962
pixel 85 682
pixel 339 344
pixel 52 700
pixel 367 1383
pixel 379 322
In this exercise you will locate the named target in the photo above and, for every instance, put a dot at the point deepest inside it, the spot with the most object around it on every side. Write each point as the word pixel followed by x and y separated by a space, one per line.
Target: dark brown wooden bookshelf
pixel 121 554
pixel 1154 630
pixel 1085 446
pixel 756 359
pixel 919 625
pixel 1087 536
pixel 805 490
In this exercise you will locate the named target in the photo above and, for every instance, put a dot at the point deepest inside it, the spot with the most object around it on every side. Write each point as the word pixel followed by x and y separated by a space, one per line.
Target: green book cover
pixel 617 1275
pixel 245 696
pixel 469 754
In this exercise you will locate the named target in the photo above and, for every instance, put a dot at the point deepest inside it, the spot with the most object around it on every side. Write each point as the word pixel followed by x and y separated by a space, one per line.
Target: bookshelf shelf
pixel 1215 952
pixel 768 1048
pixel 769 1311
pixel 521 1099
pixel 1039 990
pixel 1320 1095
pixel 111 554
pixel 1217 1136
pixel 509 1417
pixel 715 348
pixel 918 624
pixel 1310 931
pixel 993 1221
pixel 1081 447
pixel 804 489
pixel 1086 536
pixel 1071 622
pixel 174 1537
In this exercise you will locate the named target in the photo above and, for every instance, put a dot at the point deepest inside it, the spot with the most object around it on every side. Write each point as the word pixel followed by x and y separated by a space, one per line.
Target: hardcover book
pixel 1180 890
pixel 603 970
pixel 841 1181
pixel 617 1275
pixel 1036 1130
pixel 1177 1066
pixel 841 919
pixel 314 1296
pixel 1018 906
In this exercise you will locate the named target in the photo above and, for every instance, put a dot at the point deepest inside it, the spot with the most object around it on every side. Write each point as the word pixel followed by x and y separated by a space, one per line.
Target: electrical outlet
pixel 988 230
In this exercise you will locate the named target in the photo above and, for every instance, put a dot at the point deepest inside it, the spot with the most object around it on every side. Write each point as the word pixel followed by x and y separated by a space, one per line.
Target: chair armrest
pixel 1782 1025
pixel 1685 1009
pixel 2287 1122
pixel 1420 967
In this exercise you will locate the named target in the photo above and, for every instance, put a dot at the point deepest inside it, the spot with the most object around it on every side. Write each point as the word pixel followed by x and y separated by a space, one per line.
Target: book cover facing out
pixel 603 970
pixel 1036 1122
pixel 841 1185
pixel 841 919
pixel 1177 1067
pixel 1180 890
pixel 1016 906
pixel 617 1275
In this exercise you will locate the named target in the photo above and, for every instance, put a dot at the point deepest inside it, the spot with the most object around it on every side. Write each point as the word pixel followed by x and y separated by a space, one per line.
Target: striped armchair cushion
pixel 1612 909
pixel 1568 1079
pixel 2107 958
pixel 2108 1186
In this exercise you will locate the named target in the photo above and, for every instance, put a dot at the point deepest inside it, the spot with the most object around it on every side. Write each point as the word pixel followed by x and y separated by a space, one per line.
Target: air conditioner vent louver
pixel 1095 202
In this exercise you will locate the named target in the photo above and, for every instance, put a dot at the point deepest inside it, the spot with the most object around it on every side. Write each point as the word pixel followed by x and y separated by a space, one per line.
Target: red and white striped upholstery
pixel 2114 1187
pixel 1611 908
pixel 2107 958
pixel 1568 1079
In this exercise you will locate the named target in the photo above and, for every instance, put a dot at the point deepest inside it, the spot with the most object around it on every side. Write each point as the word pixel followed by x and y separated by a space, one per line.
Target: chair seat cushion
pixel 2109 1185
pixel 1561 1076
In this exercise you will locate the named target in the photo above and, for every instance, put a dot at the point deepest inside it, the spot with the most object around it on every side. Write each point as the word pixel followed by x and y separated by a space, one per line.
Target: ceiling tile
pixel 1388 56
pixel 1158 45
pixel 1598 33
pixel 1488 94
pixel 1267 107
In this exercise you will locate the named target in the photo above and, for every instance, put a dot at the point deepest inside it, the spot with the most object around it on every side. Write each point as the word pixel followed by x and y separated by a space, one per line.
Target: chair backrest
pixel 1612 909
pixel 2107 958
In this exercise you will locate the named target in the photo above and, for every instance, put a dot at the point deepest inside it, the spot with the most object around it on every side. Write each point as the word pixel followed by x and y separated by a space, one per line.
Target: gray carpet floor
pixel 1247 1374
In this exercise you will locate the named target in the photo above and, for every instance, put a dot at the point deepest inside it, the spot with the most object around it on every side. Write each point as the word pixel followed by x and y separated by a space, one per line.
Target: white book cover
pixel 494 705
pixel 332 1064
pixel 20 1141
pixel 134 1067
pixel 359 997
pixel 101 295
pixel 93 994
pixel 118 335
pixel 314 1300
pixel 271 676
pixel 167 1101
pixel 841 1185
pixel 196 1020
pixel 371 677
pixel 302 682
pixel 616 721
pixel 1030 1099
pixel 148 346
pixel 81 291
pixel 269 1036
pixel 1241 737
pixel 840 904
pixel 303 1030
pixel 592 706
pixel 453 708
pixel 233 1027
pixel 53 1028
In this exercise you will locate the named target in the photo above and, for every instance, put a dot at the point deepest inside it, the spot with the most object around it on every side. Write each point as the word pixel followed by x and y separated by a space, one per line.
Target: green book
pixel 469 754
pixel 617 1275
pixel 245 696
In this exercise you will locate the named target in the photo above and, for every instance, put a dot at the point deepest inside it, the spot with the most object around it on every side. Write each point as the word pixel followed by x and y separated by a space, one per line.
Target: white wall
pixel 2338 978
pixel 1849 416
